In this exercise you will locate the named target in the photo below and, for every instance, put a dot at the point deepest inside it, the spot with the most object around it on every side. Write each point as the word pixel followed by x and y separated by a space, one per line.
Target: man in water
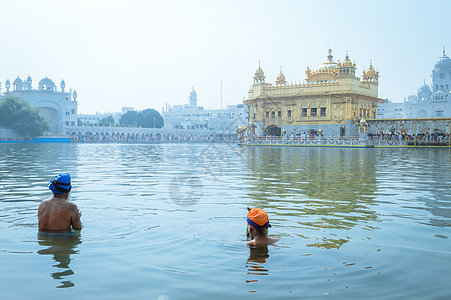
pixel 57 214
pixel 257 229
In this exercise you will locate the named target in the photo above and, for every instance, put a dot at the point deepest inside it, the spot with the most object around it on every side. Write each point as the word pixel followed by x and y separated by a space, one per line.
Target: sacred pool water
pixel 168 221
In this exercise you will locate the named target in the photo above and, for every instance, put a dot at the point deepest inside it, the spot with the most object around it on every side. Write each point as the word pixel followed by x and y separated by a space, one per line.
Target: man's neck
pixel 61 196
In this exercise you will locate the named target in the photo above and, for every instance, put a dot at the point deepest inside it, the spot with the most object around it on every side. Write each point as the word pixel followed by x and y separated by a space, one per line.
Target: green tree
pixel 22 118
pixel 150 118
pixel 107 121
pixel 129 119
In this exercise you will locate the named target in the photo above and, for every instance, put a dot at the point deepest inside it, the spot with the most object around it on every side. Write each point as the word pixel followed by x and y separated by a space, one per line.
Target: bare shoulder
pixel 44 203
pixel 72 206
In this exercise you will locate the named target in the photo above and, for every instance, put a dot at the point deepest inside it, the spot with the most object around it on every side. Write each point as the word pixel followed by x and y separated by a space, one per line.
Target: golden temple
pixel 332 100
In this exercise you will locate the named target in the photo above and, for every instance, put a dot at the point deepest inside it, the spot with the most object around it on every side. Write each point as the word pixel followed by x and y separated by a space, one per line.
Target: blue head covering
pixel 60 184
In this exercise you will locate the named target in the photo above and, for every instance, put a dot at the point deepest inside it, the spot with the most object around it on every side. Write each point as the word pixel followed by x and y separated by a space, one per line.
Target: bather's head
pixel 60 185
pixel 257 222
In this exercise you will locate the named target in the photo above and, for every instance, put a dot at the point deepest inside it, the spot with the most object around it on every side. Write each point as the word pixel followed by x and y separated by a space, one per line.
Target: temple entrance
pixel 273 130
pixel 53 116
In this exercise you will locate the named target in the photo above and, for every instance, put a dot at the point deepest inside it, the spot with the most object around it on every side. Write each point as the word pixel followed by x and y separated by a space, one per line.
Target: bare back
pixel 58 215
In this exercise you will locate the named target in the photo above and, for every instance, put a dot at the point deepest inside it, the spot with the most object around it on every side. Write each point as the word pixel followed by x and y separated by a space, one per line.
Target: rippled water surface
pixel 167 221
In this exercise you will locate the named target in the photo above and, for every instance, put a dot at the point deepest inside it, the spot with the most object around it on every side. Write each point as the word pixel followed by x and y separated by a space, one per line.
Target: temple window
pixel 313 112
pixel 322 112
pixel 273 115
pixel 304 112
pixel 289 114
pixel 267 114
pixel 279 114
pixel 254 116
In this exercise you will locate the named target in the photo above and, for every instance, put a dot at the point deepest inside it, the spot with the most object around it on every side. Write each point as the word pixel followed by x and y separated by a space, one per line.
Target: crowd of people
pixel 433 138
pixel 158 138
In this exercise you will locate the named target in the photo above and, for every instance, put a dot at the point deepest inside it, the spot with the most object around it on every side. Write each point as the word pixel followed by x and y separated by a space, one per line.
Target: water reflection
pixel 25 169
pixel 256 263
pixel 61 247
pixel 316 188
pixel 424 184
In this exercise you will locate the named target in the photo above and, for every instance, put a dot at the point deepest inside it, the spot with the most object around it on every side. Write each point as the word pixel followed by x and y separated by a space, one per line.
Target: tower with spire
pixel 193 99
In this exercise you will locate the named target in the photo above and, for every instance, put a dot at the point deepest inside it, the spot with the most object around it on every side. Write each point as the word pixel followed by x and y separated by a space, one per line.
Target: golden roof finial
pixel 329 57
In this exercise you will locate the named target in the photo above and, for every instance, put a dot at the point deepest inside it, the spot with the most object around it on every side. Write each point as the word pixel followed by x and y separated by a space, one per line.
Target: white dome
pixel 424 89
pixel 47 85
pixel 327 66
pixel 412 98
pixel 444 62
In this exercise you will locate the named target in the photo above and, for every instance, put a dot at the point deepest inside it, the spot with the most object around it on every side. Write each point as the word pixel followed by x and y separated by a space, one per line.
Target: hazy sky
pixel 146 53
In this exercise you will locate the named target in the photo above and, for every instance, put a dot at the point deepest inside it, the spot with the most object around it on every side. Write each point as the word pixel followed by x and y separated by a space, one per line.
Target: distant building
pixel 93 119
pixel 429 102
pixel 59 107
pixel 332 99
pixel 192 117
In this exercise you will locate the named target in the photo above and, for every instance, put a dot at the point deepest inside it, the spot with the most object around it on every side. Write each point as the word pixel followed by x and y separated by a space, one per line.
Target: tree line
pixel 22 118
pixel 26 121
pixel 148 118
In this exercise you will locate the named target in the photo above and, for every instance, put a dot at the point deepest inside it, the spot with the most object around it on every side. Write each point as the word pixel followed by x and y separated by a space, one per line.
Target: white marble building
pixel 430 101
pixel 193 117
pixel 59 107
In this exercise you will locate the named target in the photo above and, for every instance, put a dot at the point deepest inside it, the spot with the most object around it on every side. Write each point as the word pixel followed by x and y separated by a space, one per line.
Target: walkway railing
pixel 306 140
pixel 351 140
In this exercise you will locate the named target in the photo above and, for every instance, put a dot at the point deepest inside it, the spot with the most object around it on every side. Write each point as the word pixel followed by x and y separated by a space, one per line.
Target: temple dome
pixel 259 72
pixel 424 89
pixel 444 62
pixel 47 84
pixel 329 64
pixel 259 76
pixel 18 80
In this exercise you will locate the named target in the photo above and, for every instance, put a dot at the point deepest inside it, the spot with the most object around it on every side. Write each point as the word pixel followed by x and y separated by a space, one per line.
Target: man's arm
pixel 75 219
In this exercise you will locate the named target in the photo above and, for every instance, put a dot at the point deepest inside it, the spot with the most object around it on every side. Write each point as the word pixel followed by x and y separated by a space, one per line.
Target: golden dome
pixel 280 78
pixel 259 76
pixel 259 72
pixel 370 74
pixel 347 62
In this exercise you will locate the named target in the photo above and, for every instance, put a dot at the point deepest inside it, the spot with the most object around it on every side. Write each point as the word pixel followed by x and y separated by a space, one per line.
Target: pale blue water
pixel 167 221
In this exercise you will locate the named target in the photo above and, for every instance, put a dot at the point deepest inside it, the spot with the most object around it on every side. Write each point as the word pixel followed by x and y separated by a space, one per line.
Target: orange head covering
pixel 257 218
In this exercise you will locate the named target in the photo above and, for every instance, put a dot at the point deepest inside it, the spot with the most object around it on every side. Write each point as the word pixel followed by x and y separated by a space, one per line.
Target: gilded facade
pixel 332 100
